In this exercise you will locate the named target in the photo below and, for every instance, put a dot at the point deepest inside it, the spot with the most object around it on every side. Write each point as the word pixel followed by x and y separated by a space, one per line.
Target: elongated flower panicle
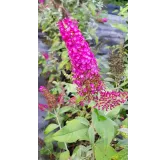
pixel 84 65
pixel 85 69
pixel 109 100
pixel 51 100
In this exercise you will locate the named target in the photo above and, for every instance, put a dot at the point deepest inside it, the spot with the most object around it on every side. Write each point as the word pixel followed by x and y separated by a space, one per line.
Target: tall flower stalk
pixel 85 69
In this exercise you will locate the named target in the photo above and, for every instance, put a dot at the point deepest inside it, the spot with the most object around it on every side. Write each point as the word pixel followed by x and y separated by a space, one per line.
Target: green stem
pixel 60 125
pixel 93 158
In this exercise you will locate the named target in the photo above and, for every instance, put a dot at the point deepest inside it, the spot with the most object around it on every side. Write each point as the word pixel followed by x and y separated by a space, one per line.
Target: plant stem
pixel 93 158
pixel 60 126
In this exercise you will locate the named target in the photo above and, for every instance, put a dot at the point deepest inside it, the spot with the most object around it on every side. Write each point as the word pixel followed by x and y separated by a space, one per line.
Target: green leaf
pixel 64 155
pixel 73 131
pixel 109 79
pixel 64 55
pixel 91 134
pixel 63 63
pixel 61 145
pixel 114 112
pixel 81 152
pixel 70 88
pixel 92 104
pixel 99 116
pixel 50 128
pixel 65 109
pixel 83 120
pixel 68 66
pixel 92 8
pixel 79 99
pixel 50 116
pixel 77 153
pixel 122 155
pixel 45 70
pixel 123 143
pixel 45 151
pixel 103 152
pixel 51 77
pixel 120 27
pixel 109 85
pixel 104 128
pixel 125 122
pixel 124 83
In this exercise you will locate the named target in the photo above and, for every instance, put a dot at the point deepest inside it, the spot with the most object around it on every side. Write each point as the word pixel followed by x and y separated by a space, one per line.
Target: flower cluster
pixel 84 65
pixel 109 100
pixel 85 69
pixel 51 100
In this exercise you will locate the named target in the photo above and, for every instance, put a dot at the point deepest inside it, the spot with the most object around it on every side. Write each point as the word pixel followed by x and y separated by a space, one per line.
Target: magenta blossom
pixel 41 1
pixel 104 19
pixel 46 56
pixel 43 107
pixel 85 69
pixel 42 88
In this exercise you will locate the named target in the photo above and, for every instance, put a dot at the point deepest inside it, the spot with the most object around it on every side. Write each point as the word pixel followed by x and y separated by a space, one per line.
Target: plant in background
pixel 116 2
pixel 118 60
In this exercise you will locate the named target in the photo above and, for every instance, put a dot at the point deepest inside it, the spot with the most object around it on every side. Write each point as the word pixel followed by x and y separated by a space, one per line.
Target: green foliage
pixel 103 152
pixel 83 120
pixel 65 109
pixel 91 133
pixel 122 155
pixel 50 128
pixel 101 123
pixel 82 153
pixel 50 116
pixel 114 112
pixel 73 131
pixel 116 2
pixel 64 156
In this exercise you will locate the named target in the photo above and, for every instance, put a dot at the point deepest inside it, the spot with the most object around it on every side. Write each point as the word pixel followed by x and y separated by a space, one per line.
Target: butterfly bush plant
pixel 87 120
